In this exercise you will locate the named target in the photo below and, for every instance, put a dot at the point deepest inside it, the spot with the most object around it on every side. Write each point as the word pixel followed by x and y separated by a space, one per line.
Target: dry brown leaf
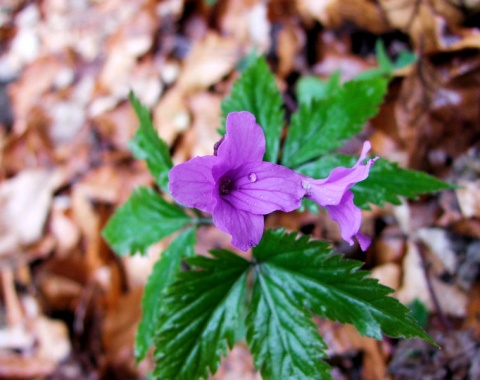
pixel 118 125
pixel 439 244
pixel 206 119
pixel 332 13
pixel 414 282
pixel 171 115
pixel 119 327
pixel 452 300
pixel 291 40
pixel 426 22
pixel 468 196
pixel 237 365
pixel 35 81
pixel 210 60
pixel 25 201
pixel 62 227
pixel 388 274
pixel 53 342
pixel 429 124
pixel 389 246
pixel 24 367
pixel 246 22
pixel 342 339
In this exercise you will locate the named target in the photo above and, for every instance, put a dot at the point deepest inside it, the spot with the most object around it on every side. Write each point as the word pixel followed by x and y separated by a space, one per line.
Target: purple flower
pixel 235 185
pixel 334 194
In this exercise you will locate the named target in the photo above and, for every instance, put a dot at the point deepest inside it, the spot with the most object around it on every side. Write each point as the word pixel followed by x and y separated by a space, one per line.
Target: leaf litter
pixel 66 69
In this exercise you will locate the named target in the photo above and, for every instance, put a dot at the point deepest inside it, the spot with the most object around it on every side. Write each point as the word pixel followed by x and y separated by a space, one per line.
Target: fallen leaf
pixel 210 60
pixel 25 201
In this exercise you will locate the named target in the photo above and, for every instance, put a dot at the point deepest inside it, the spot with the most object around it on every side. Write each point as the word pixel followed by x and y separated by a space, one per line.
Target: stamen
pixel 225 185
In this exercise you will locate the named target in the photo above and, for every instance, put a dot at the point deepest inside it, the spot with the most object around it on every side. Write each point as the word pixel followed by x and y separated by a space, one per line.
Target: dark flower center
pixel 225 185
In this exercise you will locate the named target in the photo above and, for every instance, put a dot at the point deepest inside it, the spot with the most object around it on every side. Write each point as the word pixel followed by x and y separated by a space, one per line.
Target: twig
pixel 438 309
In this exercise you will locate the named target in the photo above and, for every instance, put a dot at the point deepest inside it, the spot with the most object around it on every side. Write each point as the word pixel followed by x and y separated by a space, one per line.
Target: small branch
pixel 438 309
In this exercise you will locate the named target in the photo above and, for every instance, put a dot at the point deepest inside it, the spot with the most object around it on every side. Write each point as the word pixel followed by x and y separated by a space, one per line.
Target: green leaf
pixel 199 316
pixel 419 311
pixel 256 91
pixel 147 145
pixel 386 66
pixel 333 287
pixel 310 88
pixel 325 124
pixel 283 339
pixel 384 62
pixel 142 220
pixel 387 182
pixel 163 273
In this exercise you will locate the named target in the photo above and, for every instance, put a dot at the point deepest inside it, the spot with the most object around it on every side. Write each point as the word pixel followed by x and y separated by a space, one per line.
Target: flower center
pixel 225 185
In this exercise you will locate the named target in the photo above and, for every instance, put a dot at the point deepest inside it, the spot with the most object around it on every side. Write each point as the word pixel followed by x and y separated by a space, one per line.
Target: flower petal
pixel 349 218
pixel 330 191
pixel 263 187
pixel 191 183
pixel 244 140
pixel 246 228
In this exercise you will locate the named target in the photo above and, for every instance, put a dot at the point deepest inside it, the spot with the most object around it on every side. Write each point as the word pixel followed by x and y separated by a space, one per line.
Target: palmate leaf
pixel 387 182
pixel 322 125
pixel 283 339
pixel 147 145
pixel 163 273
pixel 333 287
pixel 200 316
pixel 256 91
pixel 142 220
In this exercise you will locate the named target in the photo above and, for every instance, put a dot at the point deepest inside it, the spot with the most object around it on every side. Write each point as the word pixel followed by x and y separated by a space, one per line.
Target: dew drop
pixel 252 177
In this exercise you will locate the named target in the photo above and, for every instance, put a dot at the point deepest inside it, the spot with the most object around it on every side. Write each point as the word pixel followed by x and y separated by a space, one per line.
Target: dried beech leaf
pixel 210 60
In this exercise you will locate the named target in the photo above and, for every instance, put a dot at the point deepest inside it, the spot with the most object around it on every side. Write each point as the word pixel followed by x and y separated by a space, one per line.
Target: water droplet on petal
pixel 252 177
pixel 306 185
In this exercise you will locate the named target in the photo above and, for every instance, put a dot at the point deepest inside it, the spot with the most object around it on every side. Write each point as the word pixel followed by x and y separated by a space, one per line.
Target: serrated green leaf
pixel 142 220
pixel 256 91
pixel 325 124
pixel 310 88
pixel 163 273
pixel 147 145
pixel 284 341
pixel 386 66
pixel 333 287
pixel 382 57
pixel 387 182
pixel 419 311
pixel 199 317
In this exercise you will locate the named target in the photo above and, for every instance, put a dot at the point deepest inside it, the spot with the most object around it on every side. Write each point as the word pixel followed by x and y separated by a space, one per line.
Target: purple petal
pixel 363 241
pixel 263 187
pixel 191 183
pixel 246 228
pixel 244 140
pixel 330 191
pixel 349 218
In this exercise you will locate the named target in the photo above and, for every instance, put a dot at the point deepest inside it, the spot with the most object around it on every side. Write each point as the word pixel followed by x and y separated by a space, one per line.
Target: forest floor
pixel 69 306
